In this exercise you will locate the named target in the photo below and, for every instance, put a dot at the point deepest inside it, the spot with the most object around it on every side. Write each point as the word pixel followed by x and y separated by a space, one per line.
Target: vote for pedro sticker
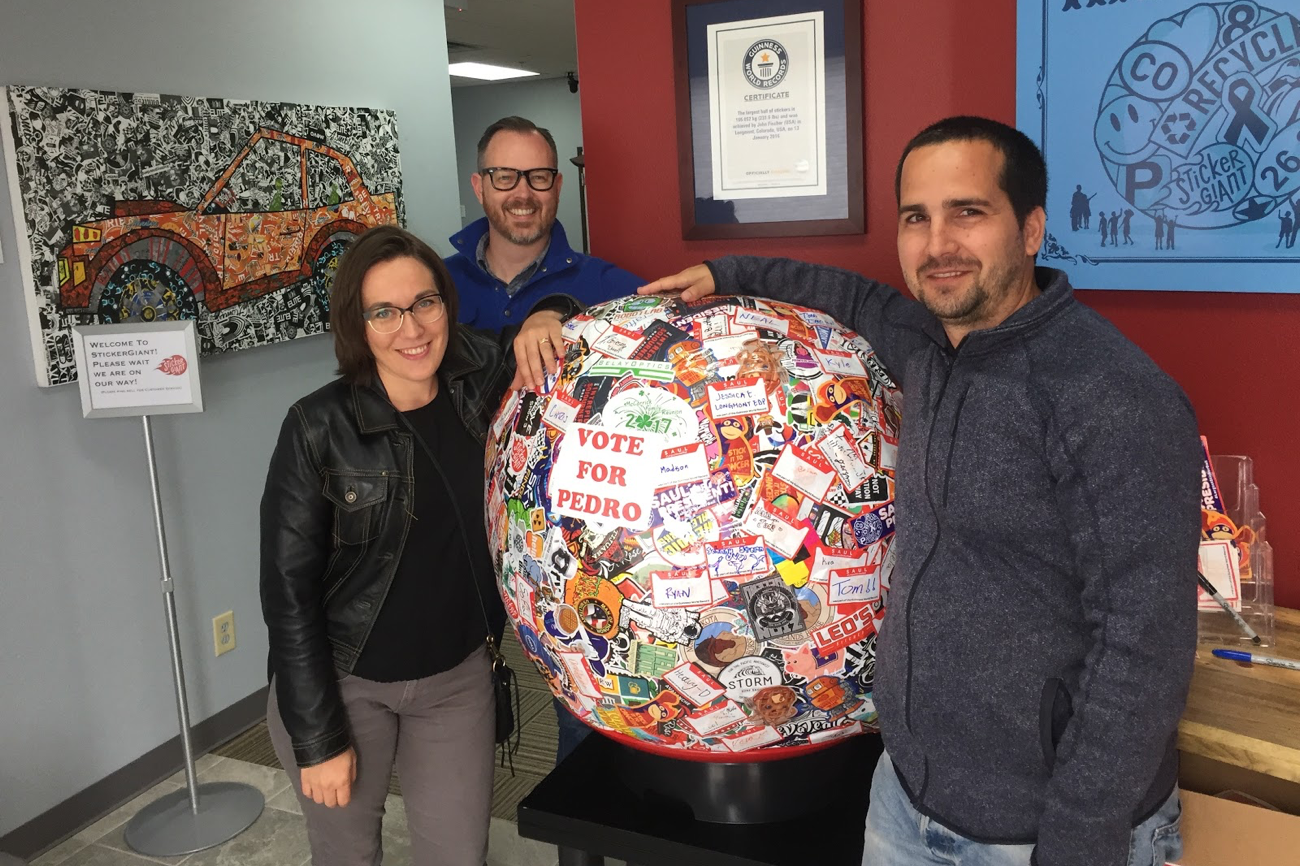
pixel 606 476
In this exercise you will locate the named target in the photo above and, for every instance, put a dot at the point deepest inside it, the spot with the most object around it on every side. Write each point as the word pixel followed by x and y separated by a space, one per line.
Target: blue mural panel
pixel 1172 137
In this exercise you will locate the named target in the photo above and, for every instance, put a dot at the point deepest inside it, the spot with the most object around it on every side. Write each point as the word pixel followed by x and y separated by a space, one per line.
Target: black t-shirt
pixel 431 620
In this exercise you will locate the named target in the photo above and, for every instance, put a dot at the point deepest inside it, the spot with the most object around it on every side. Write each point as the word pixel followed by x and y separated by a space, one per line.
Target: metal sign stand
pixel 199 816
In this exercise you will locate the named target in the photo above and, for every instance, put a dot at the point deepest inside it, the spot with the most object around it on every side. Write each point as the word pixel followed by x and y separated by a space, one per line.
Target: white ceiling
pixel 536 35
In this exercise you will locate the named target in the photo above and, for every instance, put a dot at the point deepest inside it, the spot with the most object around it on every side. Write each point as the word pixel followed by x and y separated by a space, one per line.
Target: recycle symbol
pixel 1172 123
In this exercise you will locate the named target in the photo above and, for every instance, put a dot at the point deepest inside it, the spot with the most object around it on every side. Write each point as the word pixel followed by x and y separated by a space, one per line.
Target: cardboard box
pixel 1223 833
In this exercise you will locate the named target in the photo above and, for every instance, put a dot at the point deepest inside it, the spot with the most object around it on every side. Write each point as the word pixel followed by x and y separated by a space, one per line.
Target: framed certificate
pixel 769 117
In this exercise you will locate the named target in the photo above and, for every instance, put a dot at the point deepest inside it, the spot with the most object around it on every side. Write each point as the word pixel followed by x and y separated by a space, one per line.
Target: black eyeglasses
pixel 388 318
pixel 506 179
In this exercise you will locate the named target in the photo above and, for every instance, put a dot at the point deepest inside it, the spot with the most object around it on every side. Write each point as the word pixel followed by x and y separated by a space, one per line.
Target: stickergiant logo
pixel 173 366
pixel 766 63
pixel 1199 123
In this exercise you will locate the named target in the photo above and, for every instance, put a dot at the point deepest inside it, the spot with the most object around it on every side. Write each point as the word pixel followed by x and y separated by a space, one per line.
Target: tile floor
pixel 277 838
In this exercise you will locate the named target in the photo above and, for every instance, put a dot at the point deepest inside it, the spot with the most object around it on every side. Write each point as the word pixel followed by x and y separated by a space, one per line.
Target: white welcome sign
pixel 137 369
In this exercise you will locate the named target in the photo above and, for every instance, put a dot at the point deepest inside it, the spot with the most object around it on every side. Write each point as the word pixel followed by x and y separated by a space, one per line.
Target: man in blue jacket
pixel 518 254
pixel 1037 650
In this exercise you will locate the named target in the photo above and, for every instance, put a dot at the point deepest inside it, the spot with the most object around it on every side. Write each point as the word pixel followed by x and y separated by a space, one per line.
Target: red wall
pixel 1237 356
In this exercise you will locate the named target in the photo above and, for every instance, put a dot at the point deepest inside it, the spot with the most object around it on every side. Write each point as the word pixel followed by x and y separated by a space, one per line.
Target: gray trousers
pixel 439 730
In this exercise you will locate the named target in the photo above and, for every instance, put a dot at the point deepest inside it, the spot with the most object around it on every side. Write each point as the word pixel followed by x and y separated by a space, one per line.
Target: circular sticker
pixel 596 616
pixel 566 619
pixel 744 677
pixel 723 639
pixel 651 410
pixel 766 64
pixel 1190 134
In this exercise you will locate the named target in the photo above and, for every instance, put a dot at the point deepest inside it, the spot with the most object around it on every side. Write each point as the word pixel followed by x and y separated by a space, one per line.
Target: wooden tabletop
pixel 1248 715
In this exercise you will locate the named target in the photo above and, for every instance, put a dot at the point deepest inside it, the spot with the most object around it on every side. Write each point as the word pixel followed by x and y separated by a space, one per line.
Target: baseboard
pixel 84 808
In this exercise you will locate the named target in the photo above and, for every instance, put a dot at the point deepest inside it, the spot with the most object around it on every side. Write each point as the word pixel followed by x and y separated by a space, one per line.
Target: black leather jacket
pixel 334 525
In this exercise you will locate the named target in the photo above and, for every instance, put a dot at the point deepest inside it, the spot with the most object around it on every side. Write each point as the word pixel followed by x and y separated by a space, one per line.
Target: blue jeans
pixel 572 731
pixel 898 835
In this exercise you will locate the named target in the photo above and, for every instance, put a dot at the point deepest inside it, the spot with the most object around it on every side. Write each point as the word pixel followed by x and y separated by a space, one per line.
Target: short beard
pixel 522 240
pixel 499 221
pixel 973 306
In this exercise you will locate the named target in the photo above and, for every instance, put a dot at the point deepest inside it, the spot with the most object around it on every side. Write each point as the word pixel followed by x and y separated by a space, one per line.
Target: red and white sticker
pixel 752 738
pixel 746 317
pixel 727 715
pixel 887 563
pixel 854 585
pixel 606 476
pixel 888 453
pixel 618 342
pixel 778 532
pixel 572 329
pixel 738 557
pixel 694 684
pixel 842 453
pixel 738 397
pixel 824 559
pixel 560 411
pixel 682 587
pixel 1219 562
pixel 683 464
pixel 712 326
pixel 579 674
pixel 806 471
pixel 527 603
pixel 726 349
pixel 835 733
pixel 815 317
pixel 506 415
pixel 840 363
pixel 843 632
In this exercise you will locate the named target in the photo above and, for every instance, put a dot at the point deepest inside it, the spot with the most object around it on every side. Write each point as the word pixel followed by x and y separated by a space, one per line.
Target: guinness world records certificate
pixel 767 103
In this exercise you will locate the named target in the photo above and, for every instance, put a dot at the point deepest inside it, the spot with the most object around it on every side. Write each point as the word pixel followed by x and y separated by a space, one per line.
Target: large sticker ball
pixel 692 524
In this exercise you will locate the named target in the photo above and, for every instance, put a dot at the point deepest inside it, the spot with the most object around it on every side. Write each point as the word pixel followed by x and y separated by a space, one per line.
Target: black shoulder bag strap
pixel 505 688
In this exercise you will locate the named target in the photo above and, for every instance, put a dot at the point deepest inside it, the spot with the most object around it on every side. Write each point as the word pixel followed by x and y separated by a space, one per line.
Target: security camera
pixel 573 82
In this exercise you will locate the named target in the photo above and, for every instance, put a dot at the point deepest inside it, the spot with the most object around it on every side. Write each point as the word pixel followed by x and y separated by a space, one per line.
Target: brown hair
pixel 1024 173
pixel 514 123
pixel 381 244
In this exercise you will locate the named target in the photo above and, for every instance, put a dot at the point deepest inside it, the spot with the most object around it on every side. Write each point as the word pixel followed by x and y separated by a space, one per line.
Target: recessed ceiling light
pixel 486 71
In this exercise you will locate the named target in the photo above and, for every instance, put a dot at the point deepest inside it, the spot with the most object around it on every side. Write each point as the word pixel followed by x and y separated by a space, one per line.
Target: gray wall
pixel 548 104
pixel 84 679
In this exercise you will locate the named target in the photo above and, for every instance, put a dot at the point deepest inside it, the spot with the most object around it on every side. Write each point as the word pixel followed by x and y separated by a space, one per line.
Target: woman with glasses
pixel 372 543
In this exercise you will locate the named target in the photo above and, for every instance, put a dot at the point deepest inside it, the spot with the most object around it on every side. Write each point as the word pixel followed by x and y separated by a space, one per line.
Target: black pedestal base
pixel 756 792
pixel 606 800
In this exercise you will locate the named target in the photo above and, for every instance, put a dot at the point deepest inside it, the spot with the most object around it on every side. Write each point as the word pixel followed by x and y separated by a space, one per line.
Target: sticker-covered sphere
pixel 692 524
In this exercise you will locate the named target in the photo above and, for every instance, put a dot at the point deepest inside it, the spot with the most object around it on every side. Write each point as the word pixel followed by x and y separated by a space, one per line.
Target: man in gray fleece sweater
pixel 1036 655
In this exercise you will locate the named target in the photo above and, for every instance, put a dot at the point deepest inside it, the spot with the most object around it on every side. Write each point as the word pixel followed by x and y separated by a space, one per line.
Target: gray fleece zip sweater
pixel 1037 650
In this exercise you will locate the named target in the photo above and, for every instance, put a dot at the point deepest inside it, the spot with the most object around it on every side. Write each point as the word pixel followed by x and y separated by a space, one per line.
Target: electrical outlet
pixel 223 632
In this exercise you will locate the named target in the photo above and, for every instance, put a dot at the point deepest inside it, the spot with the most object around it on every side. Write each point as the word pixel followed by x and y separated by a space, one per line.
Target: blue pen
pixel 1242 656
